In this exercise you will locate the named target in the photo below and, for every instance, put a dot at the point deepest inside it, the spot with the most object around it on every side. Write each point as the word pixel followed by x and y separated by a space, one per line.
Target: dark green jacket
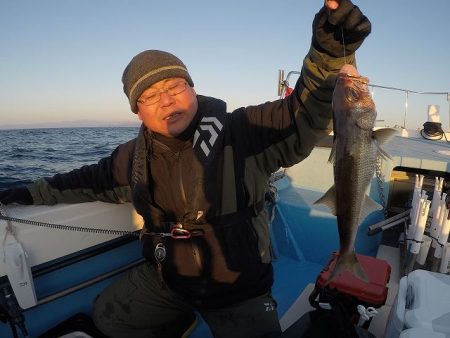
pixel 212 179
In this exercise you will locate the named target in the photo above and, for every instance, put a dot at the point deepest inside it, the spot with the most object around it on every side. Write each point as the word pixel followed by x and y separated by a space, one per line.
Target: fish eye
pixel 351 94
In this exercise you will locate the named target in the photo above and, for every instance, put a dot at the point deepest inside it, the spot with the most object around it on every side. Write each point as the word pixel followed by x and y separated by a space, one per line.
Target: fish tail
pixel 348 262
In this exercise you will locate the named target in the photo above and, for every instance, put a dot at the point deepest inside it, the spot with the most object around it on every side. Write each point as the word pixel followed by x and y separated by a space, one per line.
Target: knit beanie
pixel 147 68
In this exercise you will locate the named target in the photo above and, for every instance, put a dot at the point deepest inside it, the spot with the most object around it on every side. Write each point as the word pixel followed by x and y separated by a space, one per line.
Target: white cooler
pixel 423 301
pixel 418 332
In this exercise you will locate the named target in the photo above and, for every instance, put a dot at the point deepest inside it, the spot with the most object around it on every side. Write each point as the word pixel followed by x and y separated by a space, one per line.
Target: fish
pixel 356 146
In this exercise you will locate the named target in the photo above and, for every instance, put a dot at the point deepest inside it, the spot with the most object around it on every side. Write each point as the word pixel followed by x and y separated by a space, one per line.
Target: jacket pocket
pixel 239 244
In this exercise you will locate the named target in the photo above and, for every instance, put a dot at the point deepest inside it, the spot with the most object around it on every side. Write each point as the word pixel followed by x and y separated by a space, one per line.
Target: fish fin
pixel 329 199
pixel 381 136
pixel 368 207
pixel 357 269
pixel 350 263
pixel 332 157
pixel 382 154
pixel 384 135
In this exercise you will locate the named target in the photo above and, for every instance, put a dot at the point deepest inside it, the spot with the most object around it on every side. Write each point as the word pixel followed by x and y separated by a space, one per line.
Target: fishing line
pixel 343 44
pixel 342 32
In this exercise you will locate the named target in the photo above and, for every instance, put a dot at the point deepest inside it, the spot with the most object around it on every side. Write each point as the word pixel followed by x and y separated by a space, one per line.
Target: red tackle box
pixel 372 293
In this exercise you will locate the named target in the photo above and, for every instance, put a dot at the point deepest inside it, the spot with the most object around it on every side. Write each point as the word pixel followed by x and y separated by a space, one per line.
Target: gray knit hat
pixel 147 68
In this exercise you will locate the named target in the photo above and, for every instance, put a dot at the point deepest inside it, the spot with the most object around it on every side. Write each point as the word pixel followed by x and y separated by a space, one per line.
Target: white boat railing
pixel 283 85
pixel 408 92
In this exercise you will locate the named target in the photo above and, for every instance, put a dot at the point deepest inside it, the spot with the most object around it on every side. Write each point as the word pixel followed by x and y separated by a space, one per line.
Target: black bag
pixel 335 322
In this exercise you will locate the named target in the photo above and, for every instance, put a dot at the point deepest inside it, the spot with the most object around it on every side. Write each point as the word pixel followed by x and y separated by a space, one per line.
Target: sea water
pixel 29 154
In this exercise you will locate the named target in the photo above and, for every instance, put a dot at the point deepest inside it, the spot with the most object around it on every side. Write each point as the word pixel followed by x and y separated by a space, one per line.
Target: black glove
pixel 16 195
pixel 329 27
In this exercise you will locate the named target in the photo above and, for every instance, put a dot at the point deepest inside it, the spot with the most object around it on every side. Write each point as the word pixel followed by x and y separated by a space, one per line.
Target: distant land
pixel 71 124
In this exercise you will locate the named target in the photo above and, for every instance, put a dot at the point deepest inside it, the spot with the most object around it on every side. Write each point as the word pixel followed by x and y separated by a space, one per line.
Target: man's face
pixel 168 106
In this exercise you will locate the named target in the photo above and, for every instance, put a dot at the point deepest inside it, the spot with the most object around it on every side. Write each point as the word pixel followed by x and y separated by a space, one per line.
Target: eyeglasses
pixel 172 89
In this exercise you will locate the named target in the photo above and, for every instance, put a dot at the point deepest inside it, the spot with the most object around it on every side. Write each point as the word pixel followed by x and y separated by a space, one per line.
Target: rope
pixel 69 227
pixel 414 240
pixel 433 131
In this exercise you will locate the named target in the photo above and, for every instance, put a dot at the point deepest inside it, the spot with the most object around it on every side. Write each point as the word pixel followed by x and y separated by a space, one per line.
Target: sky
pixel 61 62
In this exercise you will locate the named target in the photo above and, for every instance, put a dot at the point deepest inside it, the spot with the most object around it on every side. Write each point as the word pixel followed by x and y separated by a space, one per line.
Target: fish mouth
pixel 359 82
pixel 357 79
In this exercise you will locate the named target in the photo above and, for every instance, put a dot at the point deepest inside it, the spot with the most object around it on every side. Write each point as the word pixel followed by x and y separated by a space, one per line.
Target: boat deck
pixel 416 153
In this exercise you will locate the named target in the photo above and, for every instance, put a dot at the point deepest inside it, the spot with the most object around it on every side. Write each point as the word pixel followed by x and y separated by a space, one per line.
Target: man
pixel 202 173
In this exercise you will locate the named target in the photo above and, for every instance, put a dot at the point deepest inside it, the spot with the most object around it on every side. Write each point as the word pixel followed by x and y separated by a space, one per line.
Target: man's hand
pixel 339 23
pixel 16 195
pixel 332 4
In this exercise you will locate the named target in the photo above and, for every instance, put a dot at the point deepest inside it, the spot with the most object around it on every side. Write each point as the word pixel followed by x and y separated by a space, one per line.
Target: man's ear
pixel 139 115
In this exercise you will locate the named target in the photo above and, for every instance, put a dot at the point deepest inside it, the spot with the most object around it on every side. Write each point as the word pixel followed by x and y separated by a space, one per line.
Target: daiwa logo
pixel 213 127
pixel 269 307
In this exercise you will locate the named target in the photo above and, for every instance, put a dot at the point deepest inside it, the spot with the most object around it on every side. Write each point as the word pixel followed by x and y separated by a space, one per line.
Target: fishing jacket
pixel 211 181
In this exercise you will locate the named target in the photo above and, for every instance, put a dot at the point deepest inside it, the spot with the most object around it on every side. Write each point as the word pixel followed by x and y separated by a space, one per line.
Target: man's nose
pixel 165 98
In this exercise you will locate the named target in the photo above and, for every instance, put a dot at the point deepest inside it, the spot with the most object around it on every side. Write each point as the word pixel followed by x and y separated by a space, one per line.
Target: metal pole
pixel 88 283
pixel 448 100
pixel 280 81
pixel 406 109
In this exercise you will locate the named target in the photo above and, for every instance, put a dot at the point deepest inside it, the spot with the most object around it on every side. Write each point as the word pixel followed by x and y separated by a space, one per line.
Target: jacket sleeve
pixel 106 181
pixel 284 132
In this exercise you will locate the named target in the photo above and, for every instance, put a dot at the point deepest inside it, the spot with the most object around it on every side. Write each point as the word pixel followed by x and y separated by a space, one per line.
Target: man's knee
pixel 111 322
pixel 102 315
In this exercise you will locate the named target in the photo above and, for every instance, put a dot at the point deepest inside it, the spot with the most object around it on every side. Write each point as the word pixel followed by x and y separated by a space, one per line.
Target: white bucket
pixel 421 333
pixel 433 113
pixel 443 268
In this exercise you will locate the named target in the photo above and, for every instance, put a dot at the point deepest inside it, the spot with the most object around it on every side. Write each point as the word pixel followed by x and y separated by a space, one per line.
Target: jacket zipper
pixel 180 180
pixel 195 249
